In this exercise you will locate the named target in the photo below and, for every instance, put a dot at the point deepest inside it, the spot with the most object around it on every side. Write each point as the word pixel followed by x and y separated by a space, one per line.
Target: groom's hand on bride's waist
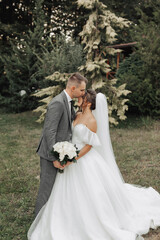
pixel 57 164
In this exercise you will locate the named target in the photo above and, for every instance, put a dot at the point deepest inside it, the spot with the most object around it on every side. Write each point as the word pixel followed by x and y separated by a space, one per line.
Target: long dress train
pixel 88 202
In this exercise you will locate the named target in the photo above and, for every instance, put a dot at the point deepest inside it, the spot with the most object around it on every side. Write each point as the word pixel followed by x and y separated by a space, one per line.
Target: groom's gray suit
pixel 57 128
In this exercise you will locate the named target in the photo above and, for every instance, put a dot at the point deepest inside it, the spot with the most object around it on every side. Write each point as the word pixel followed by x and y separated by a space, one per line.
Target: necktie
pixel 73 114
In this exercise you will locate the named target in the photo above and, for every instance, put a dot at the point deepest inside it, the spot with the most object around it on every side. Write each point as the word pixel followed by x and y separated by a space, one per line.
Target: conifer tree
pixel 145 83
pixel 22 63
pixel 96 34
pixel 99 32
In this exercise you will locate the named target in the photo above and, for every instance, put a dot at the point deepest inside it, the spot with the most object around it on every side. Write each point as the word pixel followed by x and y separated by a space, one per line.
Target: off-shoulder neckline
pixel 83 125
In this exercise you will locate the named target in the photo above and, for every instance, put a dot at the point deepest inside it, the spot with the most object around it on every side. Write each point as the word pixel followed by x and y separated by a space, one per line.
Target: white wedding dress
pixel 90 200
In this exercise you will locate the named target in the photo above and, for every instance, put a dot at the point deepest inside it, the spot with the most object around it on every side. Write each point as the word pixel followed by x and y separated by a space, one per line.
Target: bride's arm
pixel 92 125
pixel 84 150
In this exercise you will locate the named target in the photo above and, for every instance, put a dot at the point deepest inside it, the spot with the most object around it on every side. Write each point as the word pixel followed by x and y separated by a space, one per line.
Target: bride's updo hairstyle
pixel 90 96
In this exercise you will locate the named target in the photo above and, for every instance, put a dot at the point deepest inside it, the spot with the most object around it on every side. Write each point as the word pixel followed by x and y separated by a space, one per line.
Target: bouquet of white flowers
pixel 64 152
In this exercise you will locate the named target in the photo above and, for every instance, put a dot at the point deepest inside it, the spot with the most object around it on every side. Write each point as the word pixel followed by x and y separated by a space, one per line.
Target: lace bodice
pixel 83 135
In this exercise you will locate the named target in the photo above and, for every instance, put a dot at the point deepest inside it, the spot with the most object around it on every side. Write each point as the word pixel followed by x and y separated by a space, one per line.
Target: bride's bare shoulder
pixel 92 124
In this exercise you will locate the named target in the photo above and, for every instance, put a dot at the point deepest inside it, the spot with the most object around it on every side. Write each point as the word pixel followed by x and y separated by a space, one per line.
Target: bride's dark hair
pixel 90 96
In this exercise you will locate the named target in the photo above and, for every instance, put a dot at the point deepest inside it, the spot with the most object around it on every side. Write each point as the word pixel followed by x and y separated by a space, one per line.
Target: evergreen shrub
pixel 26 68
pixel 144 97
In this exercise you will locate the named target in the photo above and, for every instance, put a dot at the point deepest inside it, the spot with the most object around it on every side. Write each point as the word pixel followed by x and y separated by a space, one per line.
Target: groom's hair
pixel 76 79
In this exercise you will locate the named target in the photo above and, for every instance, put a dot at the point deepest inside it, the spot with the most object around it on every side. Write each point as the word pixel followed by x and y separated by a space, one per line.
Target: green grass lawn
pixel 136 146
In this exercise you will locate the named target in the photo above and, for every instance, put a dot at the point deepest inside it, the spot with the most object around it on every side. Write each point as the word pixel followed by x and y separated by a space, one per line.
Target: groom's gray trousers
pixel 57 128
pixel 47 178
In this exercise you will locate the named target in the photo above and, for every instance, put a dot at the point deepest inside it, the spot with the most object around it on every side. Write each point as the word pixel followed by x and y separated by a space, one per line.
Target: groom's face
pixel 79 90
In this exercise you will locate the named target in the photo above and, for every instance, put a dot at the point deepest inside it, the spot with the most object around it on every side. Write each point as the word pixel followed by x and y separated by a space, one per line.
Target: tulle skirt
pixel 88 202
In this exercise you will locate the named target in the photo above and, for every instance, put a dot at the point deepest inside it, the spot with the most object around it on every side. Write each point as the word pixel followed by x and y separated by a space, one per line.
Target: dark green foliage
pixel 130 72
pixel 29 55
pixel 141 71
pixel 15 17
pixel 67 18
pixel 20 64
pixel 18 69
pixel 27 68
pixel 64 57
pixel 147 35
pixel 145 98
pixel 126 9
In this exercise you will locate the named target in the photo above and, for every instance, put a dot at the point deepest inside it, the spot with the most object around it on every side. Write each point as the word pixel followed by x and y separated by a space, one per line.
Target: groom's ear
pixel 73 88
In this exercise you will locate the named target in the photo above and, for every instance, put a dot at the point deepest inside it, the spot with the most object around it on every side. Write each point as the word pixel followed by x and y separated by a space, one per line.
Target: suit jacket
pixel 57 126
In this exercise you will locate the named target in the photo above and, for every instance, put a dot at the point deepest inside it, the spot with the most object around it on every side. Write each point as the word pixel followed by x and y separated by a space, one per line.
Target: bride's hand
pixel 68 163
pixel 57 164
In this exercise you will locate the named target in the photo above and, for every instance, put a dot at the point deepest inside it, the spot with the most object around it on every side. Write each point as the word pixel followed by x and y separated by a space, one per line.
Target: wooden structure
pixel 126 51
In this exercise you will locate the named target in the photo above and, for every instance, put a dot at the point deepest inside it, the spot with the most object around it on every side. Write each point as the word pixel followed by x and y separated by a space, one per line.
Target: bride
pixel 90 200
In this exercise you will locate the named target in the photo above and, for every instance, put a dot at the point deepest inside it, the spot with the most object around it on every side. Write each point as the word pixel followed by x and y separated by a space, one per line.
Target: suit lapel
pixel 67 106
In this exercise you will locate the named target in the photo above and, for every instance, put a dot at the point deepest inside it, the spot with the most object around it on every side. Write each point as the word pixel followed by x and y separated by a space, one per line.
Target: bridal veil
pixel 105 150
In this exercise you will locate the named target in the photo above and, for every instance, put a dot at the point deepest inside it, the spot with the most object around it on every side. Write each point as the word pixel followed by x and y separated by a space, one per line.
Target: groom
pixel 57 128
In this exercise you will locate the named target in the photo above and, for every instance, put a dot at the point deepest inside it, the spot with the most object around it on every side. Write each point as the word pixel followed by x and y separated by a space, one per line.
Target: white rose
pixel 65 148
pixel 58 147
pixel 61 156
pixel 65 143
pixel 72 153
